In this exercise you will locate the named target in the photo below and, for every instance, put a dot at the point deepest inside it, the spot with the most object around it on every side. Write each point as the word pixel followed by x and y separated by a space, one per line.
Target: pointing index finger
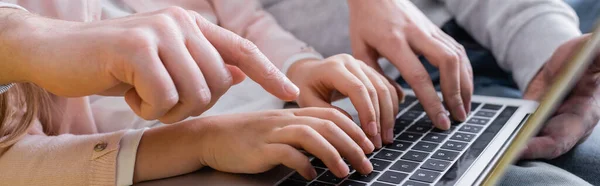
pixel 242 53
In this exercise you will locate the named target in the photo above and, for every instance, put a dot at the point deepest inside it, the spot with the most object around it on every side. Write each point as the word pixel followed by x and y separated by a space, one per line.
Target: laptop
pixel 475 152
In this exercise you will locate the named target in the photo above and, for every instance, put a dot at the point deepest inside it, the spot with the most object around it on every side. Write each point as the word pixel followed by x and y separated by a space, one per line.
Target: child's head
pixel 19 107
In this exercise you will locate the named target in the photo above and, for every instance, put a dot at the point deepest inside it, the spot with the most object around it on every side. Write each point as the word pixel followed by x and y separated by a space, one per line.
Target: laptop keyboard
pixel 420 154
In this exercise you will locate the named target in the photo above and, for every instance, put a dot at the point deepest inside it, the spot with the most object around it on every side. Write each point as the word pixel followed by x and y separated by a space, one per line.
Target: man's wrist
pixel 15 33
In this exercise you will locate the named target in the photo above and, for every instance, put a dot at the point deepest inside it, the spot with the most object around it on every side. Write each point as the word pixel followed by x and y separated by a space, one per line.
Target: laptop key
pixel 316 183
pixel 291 182
pixel 425 176
pixel 425 121
pixel 470 128
pixel 412 137
pixel 404 166
pixel 485 114
pixel 445 155
pixel 392 177
pixel 352 183
pixel 463 137
pixel 411 115
pixel 380 184
pixel 398 130
pixel 402 123
pixel 418 107
pixel 454 145
pixel 492 107
pixel 414 183
pixel 478 121
pixel 474 105
pixel 399 145
pixel 436 165
pixel 365 178
pixel 296 176
pixel 425 146
pixel 408 100
pixel 388 155
pixel 379 165
pixel 329 177
pixel 415 156
pixel 435 137
pixel 318 163
pixel 419 129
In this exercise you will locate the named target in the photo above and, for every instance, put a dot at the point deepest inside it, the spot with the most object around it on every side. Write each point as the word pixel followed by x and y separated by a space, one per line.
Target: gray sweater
pixel 521 34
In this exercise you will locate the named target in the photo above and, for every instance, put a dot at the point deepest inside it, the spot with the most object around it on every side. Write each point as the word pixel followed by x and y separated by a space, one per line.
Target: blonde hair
pixel 20 106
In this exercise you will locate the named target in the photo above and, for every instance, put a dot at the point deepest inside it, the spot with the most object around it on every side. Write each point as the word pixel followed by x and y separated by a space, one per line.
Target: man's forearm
pixel 12 32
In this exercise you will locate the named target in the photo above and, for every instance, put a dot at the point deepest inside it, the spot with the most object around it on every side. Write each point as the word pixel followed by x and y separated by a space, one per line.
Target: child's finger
pixel 348 84
pixel 292 158
pixel 307 138
pixel 344 123
pixel 386 104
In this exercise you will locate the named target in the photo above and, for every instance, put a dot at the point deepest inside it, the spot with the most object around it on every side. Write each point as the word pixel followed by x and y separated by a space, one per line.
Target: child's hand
pixel 375 99
pixel 257 142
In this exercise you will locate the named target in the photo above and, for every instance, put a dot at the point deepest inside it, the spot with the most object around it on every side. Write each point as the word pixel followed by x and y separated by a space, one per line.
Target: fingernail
pixel 372 128
pixel 313 174
pixel 344 170
pixel 368 145
pixel 462 114
pixel 291 88
pixel 390 135
pixel 367 166
pixel 377 141
pixel 443 121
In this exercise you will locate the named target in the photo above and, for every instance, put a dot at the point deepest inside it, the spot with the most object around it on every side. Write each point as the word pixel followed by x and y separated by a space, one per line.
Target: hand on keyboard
pixel 257 142
pixel 375 99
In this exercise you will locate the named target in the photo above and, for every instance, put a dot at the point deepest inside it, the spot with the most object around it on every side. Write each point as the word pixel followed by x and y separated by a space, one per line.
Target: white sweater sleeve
pixel 522 34
pixel 11 5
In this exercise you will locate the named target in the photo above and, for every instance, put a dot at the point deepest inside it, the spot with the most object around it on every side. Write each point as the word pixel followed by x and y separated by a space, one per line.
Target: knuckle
pixel 381 87
pixel 170 100
pixel 331 112
pixel 396 37
pixel 345 57
pixel 136 39
pixel 272 73
pixel 247 47
pixel 305 132
pixel 162 21
pixel 421 78
pixel 556 152
pixel 461 48
pixel 358 87
pixel 328 126
pixel 372 91
pixel 449 57
pixel 177 12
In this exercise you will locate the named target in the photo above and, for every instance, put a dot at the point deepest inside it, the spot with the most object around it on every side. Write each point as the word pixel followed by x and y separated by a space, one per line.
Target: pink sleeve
pixel 61 160
pixel 249 20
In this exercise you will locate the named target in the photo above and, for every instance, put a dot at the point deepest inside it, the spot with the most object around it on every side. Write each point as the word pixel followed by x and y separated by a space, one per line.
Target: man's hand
pixel 169 64
pixel 399 31
pixel 576 117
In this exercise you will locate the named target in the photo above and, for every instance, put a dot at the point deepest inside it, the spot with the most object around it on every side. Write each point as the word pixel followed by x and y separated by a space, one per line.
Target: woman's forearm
pixel 169 151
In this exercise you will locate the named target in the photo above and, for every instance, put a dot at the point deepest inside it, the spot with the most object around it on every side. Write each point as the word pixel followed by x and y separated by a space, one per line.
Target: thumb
pixel 539 147
pixel 243 54
pixel 237 75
